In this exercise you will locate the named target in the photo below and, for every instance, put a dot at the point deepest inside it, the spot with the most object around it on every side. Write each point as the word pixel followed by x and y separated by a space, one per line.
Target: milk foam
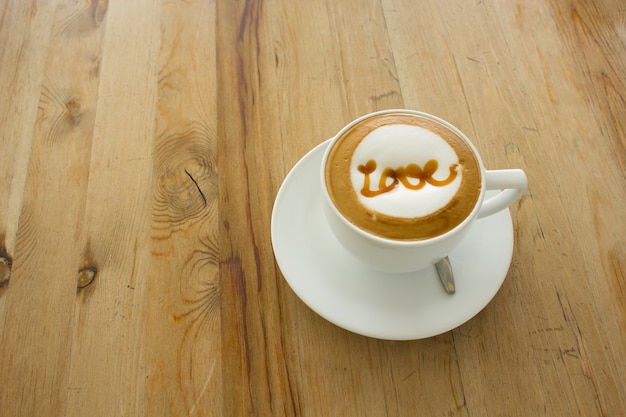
pixel 394 146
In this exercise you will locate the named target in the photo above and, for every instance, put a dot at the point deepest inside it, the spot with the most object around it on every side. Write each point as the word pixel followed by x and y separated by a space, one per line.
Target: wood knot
pixel 86 276
pixel 186 177
pixel 5 269
pixel 99 8
pixel 72 111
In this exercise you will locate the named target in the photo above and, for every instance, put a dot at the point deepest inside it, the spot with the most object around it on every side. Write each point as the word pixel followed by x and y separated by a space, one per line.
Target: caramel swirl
pixel 402 175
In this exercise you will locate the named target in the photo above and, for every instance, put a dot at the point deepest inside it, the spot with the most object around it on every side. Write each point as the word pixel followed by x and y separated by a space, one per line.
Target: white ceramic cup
pixel 400 256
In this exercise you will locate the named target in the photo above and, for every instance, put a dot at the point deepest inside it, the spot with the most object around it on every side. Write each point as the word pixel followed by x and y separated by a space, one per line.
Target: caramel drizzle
pixel 402 175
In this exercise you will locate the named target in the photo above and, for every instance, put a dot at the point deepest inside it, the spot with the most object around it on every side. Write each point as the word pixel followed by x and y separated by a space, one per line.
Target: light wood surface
pixel 142 144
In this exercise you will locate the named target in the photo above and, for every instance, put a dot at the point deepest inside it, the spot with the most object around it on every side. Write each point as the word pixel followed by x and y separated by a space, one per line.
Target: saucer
pixel 380 305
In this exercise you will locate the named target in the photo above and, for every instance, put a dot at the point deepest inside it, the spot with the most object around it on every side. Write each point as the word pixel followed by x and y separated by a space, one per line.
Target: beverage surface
pixel 403 176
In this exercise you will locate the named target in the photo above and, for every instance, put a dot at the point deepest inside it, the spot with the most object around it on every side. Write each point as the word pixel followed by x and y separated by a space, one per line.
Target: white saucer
pixel 371 303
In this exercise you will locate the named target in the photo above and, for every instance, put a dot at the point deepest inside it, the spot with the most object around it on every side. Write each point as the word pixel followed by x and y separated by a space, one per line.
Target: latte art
pixel 408 148
pixel 403 176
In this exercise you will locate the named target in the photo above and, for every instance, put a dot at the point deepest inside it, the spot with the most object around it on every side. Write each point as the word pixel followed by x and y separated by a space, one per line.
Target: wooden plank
pixel 23 59
pixel 266 75
pixel 109 372
pixel 183 322
pixel 22 65
pixel 45 265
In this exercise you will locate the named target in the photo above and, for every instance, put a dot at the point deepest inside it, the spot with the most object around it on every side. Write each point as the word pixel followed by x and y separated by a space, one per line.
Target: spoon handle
pixel 446 276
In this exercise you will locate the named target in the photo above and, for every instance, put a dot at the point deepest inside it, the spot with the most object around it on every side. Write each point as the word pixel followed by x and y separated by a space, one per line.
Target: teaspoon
pixel 446 276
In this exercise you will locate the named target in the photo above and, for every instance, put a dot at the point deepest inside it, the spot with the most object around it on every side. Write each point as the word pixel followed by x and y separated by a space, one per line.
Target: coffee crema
pixel 403 176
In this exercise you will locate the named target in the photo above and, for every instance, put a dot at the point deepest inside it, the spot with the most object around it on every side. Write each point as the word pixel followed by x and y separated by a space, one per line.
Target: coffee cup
pixel 401 188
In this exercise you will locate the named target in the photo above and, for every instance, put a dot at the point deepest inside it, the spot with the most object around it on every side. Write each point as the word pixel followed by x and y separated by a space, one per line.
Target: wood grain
pixel 184 299
pixel 23 63
pixel 142 144
pixel 109 316
pixel 43 281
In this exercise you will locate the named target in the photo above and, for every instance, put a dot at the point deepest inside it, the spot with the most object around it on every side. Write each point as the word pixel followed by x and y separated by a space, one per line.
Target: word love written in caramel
pixel 402 175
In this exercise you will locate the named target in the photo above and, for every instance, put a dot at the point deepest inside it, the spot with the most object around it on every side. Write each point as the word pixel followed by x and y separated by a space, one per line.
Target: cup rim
pixel 399 242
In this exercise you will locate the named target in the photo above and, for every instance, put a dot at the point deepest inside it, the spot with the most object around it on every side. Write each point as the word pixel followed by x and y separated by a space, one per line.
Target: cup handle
pixel 511 182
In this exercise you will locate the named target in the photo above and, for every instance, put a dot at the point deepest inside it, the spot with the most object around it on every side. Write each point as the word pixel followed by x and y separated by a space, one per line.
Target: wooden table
pixel 142 144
